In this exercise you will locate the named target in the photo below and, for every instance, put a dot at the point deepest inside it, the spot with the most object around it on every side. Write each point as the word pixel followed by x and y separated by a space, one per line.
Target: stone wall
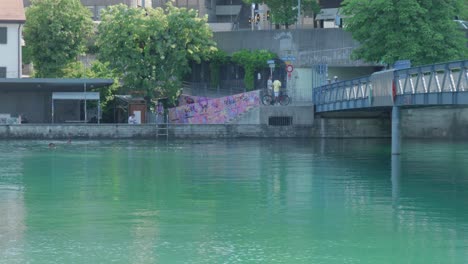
pixel 327 128
pixel 308 46
pixel 437 122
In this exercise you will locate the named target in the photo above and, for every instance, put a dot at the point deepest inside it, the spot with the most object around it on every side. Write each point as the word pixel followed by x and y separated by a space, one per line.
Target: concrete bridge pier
pixel 396 138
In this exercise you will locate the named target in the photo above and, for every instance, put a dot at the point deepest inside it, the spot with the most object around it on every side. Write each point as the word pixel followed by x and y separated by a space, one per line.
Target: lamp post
pixel 252 17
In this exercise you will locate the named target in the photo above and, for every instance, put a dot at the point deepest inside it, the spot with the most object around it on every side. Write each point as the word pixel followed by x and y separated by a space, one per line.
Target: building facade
pixel 12 18
pixel 217 11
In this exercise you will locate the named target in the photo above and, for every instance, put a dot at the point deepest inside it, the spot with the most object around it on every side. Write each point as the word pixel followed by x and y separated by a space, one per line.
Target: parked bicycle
pixel 282 99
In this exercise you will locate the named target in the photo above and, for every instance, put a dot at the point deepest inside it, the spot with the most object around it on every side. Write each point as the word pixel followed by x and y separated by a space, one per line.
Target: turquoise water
pixel 239 201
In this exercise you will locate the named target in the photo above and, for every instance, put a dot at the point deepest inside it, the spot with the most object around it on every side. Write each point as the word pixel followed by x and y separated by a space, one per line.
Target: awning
pixel 51 84
pixel 327 14
pixel 75 96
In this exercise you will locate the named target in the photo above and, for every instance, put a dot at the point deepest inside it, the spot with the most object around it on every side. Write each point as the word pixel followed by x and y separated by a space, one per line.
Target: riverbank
pixel 428 123
pixel 336 128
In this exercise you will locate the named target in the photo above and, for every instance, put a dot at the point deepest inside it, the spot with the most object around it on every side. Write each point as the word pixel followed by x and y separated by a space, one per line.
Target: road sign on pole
pixel 289 68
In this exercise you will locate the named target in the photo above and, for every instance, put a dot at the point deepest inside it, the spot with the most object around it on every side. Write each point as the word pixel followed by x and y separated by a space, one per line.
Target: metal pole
pixel 396 140
pixel 143 3
pixel 298 13
pixel 252 19
pixel 99 110
pixel 52 110
pixel 85 111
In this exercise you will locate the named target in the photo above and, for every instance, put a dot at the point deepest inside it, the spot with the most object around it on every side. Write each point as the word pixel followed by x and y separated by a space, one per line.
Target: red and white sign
pixel 289 68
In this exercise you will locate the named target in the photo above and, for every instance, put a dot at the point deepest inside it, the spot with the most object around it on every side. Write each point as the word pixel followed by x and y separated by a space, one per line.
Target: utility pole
pixel 252 19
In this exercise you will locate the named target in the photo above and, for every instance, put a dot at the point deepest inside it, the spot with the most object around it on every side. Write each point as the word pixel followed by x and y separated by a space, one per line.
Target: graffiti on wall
pixel 214 111
pixel 185 99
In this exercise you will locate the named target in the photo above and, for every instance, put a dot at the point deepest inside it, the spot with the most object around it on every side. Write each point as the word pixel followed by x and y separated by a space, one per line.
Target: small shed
pixel 125 105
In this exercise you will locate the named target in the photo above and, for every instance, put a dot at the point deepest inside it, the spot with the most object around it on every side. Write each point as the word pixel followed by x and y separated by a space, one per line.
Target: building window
pixel 3 35
pixel 2 72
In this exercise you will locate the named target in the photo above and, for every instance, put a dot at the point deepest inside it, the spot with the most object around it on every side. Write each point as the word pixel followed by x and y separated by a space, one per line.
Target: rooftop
pixel 12 11
pixel 50 84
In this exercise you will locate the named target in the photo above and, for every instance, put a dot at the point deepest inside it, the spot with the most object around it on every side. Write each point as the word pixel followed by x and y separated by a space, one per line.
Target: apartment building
pixel 215 9
pixel 12 18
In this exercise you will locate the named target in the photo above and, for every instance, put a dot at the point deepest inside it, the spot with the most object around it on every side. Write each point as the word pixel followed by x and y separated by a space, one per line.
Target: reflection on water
pixel 396 173
pixel 12 211
pixel 242 201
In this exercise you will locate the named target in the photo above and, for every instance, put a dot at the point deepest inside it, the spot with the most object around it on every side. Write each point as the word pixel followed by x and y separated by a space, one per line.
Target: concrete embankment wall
pixel 347 128
pixel 437 122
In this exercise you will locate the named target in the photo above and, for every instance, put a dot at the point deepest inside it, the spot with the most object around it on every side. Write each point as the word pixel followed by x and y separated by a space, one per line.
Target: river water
pixel 233 201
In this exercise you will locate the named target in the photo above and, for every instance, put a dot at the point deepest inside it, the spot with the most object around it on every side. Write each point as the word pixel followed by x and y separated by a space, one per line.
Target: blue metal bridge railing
pixel 438 84
pixel 437 78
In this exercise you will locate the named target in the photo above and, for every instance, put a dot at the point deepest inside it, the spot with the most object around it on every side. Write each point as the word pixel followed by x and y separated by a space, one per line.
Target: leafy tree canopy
pixel 284 12
pixel 151 48
pixel 97 70
pixel 252 61
pixel 56 32
pixel 217 59
pixel 422 31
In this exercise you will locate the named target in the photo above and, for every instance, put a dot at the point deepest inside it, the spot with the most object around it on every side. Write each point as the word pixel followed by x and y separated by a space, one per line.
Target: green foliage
pixel 252 61
pixel 55 33
pixel 284 12
pixel 26 54
pixel 217 59
pixel 97 70
pixel 151 48
pixel 422 31
pixel 310 7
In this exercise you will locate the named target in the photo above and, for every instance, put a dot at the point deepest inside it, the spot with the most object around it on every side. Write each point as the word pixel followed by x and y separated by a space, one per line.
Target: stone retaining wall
pixel 438 122
pixel 327 128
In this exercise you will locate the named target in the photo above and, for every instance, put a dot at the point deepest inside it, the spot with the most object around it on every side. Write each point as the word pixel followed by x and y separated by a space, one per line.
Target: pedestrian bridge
pixel 432 85
pixel 438 84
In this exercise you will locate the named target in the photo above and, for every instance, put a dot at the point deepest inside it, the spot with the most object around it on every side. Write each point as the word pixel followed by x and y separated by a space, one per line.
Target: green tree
pixel 151 48
pixel 97 70
pixel 217 59
pixel 422 31
pixel 56 33
pixel 252 61
pixel 284 12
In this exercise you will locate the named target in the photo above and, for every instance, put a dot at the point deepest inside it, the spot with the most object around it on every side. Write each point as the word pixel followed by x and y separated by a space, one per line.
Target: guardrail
pixel 437 78
pixel 348 90
pixel 425 85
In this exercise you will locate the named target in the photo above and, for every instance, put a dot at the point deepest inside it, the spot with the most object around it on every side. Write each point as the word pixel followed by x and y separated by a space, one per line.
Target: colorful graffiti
pixel 185 99
pixel 214 111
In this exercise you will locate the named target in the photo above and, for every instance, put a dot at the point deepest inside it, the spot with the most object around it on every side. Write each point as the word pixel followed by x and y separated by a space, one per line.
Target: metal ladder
pixel 162 129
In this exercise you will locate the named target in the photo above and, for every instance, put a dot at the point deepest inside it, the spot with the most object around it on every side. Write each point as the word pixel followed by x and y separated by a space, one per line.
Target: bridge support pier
pixel 396 139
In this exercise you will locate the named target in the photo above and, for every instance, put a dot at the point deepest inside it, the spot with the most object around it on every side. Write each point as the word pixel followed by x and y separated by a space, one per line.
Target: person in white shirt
pixel 131 119
pixel 270 86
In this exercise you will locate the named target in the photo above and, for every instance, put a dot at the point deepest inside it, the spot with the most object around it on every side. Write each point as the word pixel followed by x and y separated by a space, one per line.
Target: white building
pixel 12 18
